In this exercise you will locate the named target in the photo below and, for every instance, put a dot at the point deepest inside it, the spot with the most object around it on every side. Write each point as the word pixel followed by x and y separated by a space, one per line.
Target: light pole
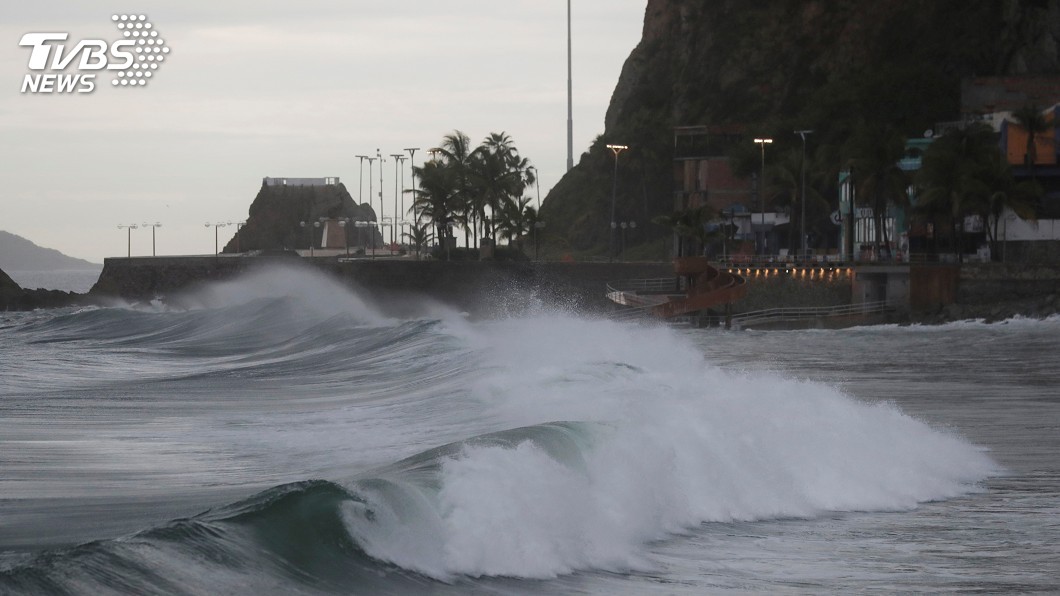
pixel 616 149
pixel 761 196
pixel 345 234
pixel 802 197
pixel 309 228
pixel 216 247
pixel 537 183
pixel 570 100
pixel 129 228
pixel 399 158
pixel 152 226
pixel 371 193
pixel 632 225
pixel 537 226
pixel 412 172
pixel 379 156
pixel 360 181
pixel 239 226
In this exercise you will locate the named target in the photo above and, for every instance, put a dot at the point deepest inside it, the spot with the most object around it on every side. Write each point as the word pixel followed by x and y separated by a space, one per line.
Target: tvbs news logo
pixel 133 58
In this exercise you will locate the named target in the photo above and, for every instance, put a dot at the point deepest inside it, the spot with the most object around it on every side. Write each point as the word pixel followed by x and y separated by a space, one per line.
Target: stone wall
pixel 480 287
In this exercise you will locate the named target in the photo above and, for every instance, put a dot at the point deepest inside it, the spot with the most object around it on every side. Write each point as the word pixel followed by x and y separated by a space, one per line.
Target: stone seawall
pixel 479 287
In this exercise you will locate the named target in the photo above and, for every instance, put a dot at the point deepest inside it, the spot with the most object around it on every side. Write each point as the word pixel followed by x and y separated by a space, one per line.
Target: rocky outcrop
pixel 273 221
pixel 13 297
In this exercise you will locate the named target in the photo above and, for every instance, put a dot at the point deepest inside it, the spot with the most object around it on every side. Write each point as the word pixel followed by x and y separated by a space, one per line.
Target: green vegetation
pixel 479 189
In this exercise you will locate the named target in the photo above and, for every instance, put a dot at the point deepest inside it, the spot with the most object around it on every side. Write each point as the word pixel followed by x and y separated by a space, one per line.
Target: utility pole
pixel 802 196
pixel 412 171
pixel 379 156
pixel 570 99
pixel 398 158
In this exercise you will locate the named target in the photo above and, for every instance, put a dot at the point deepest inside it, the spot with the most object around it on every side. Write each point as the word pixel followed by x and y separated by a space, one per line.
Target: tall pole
pixel 379 156
pixel 570 99
pixel 360 181
pixel 371 193
pixel 761 183
pixel 412 173
pixel 152 226
pixel 616 149
pixel 129 228
pixel 398 159
pixel 802 196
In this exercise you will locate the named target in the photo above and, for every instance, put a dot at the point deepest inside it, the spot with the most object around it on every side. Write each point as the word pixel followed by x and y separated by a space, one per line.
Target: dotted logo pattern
pixel 151 50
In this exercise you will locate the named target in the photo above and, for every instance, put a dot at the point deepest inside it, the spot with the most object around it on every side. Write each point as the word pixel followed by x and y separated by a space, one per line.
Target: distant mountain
pixel 19 254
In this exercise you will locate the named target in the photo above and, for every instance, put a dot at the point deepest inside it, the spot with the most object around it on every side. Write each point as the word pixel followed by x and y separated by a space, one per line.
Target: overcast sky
pixel 269 88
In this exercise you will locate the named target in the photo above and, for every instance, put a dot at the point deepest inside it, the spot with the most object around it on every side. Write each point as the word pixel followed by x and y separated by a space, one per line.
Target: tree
pixel 437 197
pixel 1006 194
pixel 419 236
pixel 688 226
pixel 876 152
pixel 955 176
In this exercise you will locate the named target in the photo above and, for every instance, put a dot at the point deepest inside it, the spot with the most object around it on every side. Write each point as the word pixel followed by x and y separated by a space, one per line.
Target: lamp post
pixel 379 156
pixel 802 196
pixel 309 229
pixel 412 173
pixel 616 149
pixel 371 193
pixel 216 247
pixel 537 226
pixel 152 226
pixel 360 181
pixel 537 183
pixel 129 228
pixel 631 225
pixel 570 100
pixel 399 159
pixel 762 182
pixel 345 234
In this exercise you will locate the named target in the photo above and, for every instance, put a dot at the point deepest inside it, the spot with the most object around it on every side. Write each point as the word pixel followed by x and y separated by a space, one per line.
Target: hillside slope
pixel 20 254
pixel 771 67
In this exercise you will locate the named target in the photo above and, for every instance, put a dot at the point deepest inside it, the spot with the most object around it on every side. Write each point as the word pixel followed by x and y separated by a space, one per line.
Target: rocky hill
pixel 274 217
pixel 771 67
pixel 19 254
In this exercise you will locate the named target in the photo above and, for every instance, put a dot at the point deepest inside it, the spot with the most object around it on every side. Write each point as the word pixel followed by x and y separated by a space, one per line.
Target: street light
pixel 309 228
pixel 216 248
pixel 412 173
pixel 129 228
pixel 762 182
pixel 537 183
pixel 616 149
pixel 345 234
pixel 379 156
pixel 803 134
pixel 360 181
pixel 152 226
pixel 537 226
pixel 399 158
pixel 632 225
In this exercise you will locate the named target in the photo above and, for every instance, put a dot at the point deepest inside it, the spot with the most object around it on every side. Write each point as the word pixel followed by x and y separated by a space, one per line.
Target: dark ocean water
pixel 281 436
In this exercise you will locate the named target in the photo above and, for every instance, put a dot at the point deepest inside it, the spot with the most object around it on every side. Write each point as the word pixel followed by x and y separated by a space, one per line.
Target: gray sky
pixel 253 89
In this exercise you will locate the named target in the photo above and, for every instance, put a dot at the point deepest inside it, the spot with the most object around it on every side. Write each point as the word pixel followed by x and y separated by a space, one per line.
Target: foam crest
pixel 678 442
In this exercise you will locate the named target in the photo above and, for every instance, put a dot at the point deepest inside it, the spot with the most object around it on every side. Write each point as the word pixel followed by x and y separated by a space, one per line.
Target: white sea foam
pixel 687 443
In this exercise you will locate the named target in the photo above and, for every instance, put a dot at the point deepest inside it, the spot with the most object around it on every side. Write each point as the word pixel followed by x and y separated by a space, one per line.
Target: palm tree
pixel 437 197
pixel 880 181
pixel 419 236
pixel 955 176
pixel 1006 194
pixel 688 226
pixel 500 176
pixel 517 218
